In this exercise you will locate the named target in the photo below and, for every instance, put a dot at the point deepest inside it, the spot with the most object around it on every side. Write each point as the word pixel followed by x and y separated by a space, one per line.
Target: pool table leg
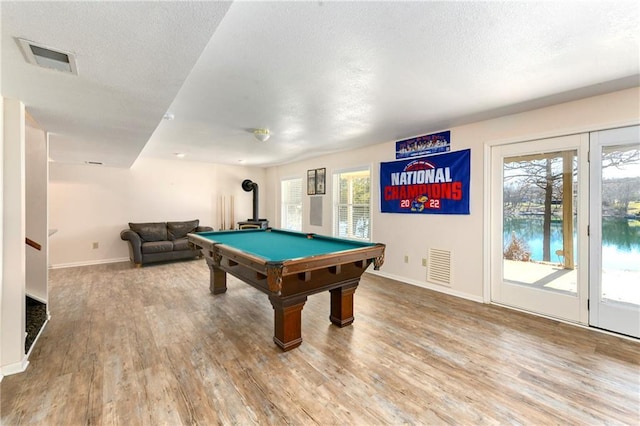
pixel 342 304
pixel 287 321
pixel 217 280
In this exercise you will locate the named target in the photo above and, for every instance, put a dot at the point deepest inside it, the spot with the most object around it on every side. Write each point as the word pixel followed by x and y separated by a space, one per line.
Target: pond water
pixel 621 240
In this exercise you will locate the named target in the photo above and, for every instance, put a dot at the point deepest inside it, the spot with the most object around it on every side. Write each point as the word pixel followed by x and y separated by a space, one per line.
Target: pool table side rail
pixel 274 271
pixel 374 251
pixel 310 263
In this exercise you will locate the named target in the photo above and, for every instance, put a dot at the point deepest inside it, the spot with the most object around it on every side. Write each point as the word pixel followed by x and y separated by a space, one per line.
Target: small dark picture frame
pixel 311 182
pixel 320 181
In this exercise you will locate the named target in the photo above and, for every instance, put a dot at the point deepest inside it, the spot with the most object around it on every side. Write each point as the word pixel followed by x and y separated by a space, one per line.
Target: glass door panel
pixel 539 215
pixel 621 224
pixel 615 242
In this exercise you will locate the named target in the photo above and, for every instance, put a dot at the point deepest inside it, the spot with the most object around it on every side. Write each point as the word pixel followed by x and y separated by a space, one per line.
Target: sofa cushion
pixel 150 231
pixel 181 244
pixel 157 247
pixel 177 230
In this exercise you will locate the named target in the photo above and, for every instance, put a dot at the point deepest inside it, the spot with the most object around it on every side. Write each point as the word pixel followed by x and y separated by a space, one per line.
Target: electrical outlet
pixel 406 259
pixel 424 262
pixel 96 245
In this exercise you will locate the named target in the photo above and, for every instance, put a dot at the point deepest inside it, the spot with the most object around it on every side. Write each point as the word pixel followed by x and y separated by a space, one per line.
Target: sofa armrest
pixel 204 229
pixel 135 245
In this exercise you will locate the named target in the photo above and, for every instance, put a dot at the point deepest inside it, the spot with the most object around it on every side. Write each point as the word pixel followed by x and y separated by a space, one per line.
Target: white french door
pixel 538 234
pixel 615 230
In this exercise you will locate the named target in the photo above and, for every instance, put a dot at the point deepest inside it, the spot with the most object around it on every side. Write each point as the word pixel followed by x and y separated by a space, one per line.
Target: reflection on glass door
pixel 615 222
pixel 536 196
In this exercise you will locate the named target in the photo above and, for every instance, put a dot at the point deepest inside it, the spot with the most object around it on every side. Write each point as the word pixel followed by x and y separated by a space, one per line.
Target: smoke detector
pixel 41 55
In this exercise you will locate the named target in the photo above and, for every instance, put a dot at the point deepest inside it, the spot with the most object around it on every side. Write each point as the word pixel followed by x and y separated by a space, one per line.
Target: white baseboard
pixel 15 368
pixel 88 263
pixel 20 367
pixel 429 286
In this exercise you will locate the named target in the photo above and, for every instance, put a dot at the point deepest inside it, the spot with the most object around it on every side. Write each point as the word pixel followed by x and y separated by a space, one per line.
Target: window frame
pixel 284 210
pixel 336 175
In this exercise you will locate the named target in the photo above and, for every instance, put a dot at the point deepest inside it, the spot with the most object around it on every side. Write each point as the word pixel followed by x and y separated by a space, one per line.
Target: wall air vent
pixel 439 267
pixel 38 54
pixel 93 163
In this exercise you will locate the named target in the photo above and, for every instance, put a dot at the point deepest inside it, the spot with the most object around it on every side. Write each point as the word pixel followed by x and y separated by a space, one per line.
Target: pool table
pixel 289 266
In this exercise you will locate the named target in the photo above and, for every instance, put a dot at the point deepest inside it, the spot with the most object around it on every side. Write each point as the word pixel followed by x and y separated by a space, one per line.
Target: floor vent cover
pixel 439 267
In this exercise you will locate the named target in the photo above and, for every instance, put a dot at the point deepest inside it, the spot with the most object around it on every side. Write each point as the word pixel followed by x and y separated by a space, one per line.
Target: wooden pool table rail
pixel 274 271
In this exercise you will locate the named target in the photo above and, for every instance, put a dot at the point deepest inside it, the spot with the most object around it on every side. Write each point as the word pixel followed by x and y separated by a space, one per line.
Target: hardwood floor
pixel 151 346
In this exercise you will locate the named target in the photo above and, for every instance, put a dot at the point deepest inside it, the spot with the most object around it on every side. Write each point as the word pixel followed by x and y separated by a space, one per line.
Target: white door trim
pixel 568 308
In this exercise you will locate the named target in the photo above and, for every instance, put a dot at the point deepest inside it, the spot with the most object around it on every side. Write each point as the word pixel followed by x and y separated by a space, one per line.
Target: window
pixel 291 204
pixel 352 204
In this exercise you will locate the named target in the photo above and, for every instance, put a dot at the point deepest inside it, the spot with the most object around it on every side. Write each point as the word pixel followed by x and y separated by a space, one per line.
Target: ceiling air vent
pixel 38 54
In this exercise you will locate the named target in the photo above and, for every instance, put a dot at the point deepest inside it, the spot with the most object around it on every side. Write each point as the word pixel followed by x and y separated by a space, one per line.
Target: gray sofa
pixel 161 241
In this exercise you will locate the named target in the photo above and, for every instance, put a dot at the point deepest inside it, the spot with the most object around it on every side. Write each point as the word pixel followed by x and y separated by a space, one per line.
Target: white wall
pixel 90 204
pixel 1 201
pixel 1 221
pixel 13 234
pixel 36 172
pixel 463 235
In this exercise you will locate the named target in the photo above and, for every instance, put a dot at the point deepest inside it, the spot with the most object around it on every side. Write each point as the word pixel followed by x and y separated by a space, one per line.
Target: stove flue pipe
pixel 249 186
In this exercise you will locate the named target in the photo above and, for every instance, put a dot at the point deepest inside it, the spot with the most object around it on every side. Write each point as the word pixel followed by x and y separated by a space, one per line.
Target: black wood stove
pixel 254 222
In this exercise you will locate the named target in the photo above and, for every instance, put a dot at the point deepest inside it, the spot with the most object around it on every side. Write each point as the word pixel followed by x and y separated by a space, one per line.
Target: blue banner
pixel 438 184
pixel 424 145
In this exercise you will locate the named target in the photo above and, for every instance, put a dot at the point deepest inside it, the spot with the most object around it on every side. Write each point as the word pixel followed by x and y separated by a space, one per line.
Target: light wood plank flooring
pixel 151 346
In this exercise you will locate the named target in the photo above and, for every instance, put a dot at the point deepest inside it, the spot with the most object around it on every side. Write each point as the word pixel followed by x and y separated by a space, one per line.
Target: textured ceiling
pixel 132 57
pixel 322 76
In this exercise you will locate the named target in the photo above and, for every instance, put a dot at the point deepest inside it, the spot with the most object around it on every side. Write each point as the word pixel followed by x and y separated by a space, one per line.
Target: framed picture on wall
pixel 311 182
pixel 320 180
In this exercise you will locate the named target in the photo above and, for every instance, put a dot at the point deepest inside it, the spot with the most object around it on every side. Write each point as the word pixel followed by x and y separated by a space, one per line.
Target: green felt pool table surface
pixel 275 245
